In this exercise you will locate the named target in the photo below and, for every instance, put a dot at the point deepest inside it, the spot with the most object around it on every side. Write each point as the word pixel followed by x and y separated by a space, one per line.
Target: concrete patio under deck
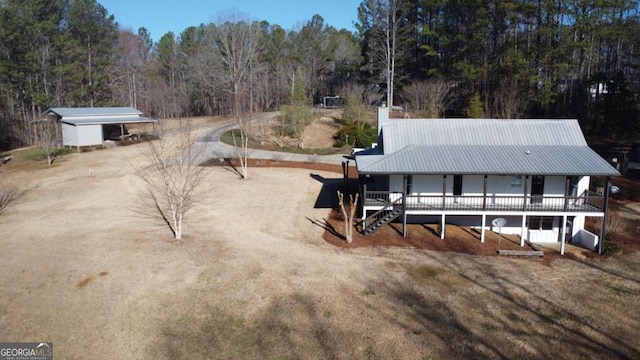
pixel 572 249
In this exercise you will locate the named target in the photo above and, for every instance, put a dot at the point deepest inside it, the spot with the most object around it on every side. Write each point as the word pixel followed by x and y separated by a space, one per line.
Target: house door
pixel 457 185
pixel 537 189
pixel 569 233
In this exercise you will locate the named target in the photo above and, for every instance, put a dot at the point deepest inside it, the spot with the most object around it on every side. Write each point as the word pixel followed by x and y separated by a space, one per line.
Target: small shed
pixel 86 126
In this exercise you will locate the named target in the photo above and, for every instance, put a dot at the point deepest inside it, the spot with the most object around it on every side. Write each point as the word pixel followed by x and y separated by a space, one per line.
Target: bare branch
pixel 172 174
pixel 429 98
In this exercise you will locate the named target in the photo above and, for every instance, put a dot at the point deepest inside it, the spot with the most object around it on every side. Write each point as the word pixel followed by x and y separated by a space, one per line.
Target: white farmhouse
pixel 533 173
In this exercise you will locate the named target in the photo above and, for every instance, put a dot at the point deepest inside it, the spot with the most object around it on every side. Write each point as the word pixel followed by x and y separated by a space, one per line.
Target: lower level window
pixel 541 223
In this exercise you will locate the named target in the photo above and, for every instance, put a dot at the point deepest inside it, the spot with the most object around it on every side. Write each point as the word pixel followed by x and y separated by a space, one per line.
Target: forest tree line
pixel 510 58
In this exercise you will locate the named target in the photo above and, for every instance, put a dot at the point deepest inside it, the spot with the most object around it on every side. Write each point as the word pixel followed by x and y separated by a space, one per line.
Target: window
pixel 457 184
pixel 409 180
pixel 541 223
pixel 516 181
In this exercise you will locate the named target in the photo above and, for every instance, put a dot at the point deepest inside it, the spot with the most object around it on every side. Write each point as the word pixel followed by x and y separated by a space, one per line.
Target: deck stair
pixel 383 216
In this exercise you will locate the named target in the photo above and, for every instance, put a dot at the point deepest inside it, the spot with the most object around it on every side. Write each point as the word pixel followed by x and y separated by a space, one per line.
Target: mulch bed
pixel 458 239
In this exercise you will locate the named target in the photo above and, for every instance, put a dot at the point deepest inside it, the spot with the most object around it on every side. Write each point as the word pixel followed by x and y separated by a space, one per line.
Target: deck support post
pixel 563 234
pixel 442 226
pixel 484 223
pixel 405 192
pixel 404 223
pixel 522 231
pixel 604 216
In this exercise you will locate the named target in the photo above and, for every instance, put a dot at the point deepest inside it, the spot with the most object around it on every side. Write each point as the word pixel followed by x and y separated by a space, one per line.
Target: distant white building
pixel 85 126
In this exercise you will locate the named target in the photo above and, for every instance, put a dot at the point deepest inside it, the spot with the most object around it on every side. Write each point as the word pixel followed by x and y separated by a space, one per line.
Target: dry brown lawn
pixel 84 266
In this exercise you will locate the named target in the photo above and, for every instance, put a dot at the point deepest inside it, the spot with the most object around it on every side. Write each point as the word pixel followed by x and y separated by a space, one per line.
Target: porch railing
pixel 587 202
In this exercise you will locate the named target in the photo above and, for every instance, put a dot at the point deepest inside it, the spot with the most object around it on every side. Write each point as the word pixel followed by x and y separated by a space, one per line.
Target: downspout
pixel 604 218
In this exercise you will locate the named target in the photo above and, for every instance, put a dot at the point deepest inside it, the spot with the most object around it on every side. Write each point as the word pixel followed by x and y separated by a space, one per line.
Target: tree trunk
pixel 348 214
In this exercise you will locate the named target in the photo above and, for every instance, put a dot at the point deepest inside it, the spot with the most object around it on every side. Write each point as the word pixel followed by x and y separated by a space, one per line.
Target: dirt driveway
pixel 85 267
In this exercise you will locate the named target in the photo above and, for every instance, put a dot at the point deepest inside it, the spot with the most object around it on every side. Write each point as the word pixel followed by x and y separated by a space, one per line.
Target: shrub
pixel 617 227
pixel 7 195
pixel 352 134
pixel 475 110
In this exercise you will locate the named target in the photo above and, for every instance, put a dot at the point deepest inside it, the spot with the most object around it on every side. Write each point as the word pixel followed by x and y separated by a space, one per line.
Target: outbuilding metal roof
pixel 91 111
pixel 483 146
pixel 99 116
pixel 106 120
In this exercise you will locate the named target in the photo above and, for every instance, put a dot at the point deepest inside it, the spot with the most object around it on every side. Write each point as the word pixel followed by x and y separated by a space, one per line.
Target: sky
pixel 162 16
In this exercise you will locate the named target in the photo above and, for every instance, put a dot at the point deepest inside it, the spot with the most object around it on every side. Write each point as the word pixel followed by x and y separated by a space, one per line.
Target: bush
pixel 62 152
pixel 475 110
pixel 7 195
pixel 294 118
pixel 617 227
pixel 352 134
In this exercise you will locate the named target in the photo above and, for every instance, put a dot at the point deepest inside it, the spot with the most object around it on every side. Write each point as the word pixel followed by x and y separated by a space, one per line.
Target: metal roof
pixel 99 115
pixel 106 120
pixel 399 133
pixel 93 111
pixel 476 146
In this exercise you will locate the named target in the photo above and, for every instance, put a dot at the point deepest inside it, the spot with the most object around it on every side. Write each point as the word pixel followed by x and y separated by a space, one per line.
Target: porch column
pixel 524 226
pixel 363 197
pixel 444 191
pixel 567 192
pixel 484 223
pixel 607 185
pixel 404 206
pixel 562 236
pixel 484 202
pixel 364 190
pixel 442 225
pixel 526 189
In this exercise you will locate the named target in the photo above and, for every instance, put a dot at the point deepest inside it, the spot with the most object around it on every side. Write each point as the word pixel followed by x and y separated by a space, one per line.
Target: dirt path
pixel 86 267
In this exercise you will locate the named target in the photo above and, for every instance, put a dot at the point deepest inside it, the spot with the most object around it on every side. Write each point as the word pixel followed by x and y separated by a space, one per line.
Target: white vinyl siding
pixel 69 136
pixel 89 135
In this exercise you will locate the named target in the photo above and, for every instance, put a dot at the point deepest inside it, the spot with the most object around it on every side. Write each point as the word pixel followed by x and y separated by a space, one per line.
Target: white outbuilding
pixel 87 126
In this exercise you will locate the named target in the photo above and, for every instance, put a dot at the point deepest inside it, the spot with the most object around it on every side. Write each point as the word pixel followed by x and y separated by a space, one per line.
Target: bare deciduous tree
pixel 508 102
pixel 22 131
pixel 348 209
pixel 229 59
pixel 388 32
pixel 172 174
pixel 355 108
pixel 48 137
pixel 429 98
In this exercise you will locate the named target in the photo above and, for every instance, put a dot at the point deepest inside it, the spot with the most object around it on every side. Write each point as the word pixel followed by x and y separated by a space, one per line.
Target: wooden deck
pixel 587 203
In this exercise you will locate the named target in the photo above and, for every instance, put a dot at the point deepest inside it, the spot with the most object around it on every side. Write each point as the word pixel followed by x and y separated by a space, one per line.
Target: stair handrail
pixel 375 217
